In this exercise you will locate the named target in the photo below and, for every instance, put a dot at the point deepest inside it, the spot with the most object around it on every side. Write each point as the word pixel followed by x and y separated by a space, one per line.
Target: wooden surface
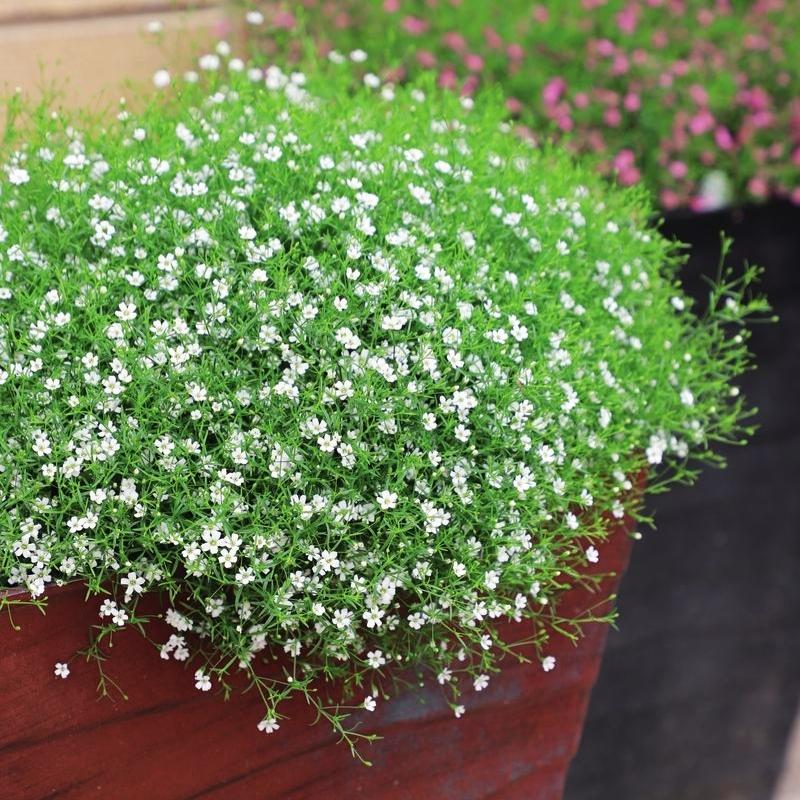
pixel 92 50
pixel 30 10
pixel 700 686
pixel 170 742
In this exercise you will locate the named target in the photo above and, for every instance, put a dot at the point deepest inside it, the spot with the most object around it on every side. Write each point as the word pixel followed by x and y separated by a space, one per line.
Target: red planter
pixel 170 742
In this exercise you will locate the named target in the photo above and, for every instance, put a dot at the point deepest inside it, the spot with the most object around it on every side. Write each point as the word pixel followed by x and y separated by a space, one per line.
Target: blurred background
pixel 698 693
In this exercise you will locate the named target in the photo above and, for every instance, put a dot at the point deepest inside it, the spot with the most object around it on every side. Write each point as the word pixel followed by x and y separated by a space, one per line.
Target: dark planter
pixel 699 688
pixel 767 235
pixel 170 742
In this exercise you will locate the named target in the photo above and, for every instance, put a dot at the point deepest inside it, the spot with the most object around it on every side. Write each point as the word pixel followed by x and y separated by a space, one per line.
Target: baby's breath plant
pixel 349 376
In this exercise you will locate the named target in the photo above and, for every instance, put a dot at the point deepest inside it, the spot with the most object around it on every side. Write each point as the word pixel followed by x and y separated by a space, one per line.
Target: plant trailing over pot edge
pixel 350 375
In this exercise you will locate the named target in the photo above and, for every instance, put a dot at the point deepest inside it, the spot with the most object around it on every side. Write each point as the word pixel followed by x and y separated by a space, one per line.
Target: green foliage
pixel 350 376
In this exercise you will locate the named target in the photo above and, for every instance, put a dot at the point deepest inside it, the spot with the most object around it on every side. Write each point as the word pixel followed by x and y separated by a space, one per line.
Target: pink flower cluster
pixel 700 99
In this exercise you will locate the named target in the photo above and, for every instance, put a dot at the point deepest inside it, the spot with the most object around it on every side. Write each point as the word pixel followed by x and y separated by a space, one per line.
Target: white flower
pixel 126 312
pixel 133 583
pixel 326 561
pixel 369 703
pixel 202 681
pixel 342 618
pixel 18 176
pixel 376 659
pixel 268 725
pixel 387 500
pixel 161 78
pixel 458 711
pixel 373 617
pixel 592 555
pixel 420 194
pixel 480 683
pixel 548 663
pixel 61 670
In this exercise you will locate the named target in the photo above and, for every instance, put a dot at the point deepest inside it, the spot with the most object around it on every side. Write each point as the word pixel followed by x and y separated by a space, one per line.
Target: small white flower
pixel 202 681
pixel 592 555
pixel 17 176
pixel 342 618
pixel 61 670
pixel 376 659
pixel 480 683
pixel 387 500
pixel 268 725
pixel 548 663
pixel 126 312
pixel 369 703
pixel 161 79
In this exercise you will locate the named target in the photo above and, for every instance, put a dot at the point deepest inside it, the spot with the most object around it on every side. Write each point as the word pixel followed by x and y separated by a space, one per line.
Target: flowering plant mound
pixel 349 376
pixel 699 99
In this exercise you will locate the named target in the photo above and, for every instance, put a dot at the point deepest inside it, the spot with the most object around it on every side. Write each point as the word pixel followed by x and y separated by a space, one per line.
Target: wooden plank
pixel 171 741
pixel 17 11
pixel 92 59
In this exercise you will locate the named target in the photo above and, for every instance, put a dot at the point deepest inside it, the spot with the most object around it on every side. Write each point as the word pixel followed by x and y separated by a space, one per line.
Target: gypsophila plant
pixel 349 376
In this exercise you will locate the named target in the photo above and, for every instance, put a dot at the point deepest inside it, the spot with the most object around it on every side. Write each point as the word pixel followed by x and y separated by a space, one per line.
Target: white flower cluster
pixel 354 372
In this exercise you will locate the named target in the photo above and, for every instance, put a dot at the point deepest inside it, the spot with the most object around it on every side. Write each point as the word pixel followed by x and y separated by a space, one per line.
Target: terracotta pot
pixel 168 741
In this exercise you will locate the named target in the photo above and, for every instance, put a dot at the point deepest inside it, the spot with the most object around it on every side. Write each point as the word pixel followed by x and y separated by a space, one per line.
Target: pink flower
pixel 762 119
pixel 553 91
pixel 628 18
pixel 659 39
pixel 415 26
pixel 680 67
pixel 541 14
pixel 426 59
pixel 564 122
pixel 455 41
pixel 513 105
pixel 620 65
pixel 581 100
pixel 390 6
pixel 698 94
pixel 284 20
pixel 705 16
pixel 702 122
pixel 605 48
pixel 473 62
pixel 795 196
pixel 678 170
pixel 492 38
pixel 669 199
pixel 627 177
pixel 624 159
pixel 758 186
pixel 612 117
pixel 632 102
pixel 469 86
pixel 723 138
pixel 515 52
pixel 447 78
